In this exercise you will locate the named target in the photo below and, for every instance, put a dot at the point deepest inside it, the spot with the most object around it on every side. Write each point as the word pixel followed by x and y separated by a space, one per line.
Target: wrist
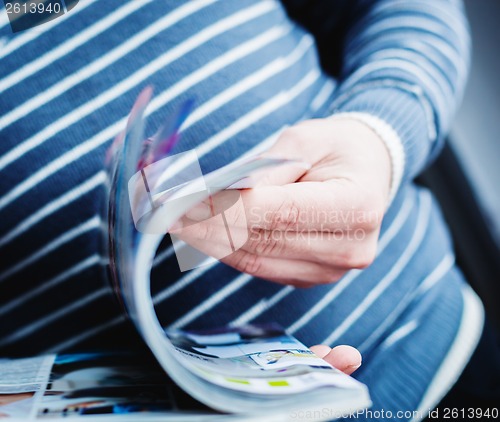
pixel 390 140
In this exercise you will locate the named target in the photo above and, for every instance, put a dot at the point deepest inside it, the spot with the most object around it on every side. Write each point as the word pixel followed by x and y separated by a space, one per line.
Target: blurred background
pixel 466 177
pixel 476 133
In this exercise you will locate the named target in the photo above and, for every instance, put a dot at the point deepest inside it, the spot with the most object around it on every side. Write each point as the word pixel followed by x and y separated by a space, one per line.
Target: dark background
pixel 476 132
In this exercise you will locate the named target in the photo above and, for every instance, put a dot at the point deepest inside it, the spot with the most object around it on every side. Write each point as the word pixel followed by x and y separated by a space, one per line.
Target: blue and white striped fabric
pixel 66 88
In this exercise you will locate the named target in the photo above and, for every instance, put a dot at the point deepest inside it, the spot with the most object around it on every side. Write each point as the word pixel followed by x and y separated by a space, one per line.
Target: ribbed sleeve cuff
pixel 391 140
pixel 403 119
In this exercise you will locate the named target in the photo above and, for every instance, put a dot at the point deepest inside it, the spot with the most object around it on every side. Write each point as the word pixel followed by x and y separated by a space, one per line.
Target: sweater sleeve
pixel 402 62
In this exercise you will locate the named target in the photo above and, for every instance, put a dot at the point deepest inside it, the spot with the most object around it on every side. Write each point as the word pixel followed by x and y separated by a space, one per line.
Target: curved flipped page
pixel 184 373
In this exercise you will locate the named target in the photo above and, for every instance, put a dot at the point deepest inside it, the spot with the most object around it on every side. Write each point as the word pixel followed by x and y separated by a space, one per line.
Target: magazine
pixel 266 372
pixel 249 372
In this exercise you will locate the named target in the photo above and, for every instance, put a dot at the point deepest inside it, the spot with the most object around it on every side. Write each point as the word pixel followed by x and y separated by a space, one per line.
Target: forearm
pixel 406 63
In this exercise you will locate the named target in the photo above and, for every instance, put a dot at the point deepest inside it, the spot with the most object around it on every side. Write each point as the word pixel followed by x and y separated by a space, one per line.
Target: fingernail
pixel 354 367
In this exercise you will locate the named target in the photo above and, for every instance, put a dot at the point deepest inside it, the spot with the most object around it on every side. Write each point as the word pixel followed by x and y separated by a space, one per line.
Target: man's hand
pixel 305 227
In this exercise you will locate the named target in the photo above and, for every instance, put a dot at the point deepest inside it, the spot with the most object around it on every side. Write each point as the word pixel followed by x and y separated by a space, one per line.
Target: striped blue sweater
pixel 254 68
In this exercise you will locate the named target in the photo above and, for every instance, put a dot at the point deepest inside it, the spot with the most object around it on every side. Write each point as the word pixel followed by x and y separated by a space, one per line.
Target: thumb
pixel 285 147
pixel 283 174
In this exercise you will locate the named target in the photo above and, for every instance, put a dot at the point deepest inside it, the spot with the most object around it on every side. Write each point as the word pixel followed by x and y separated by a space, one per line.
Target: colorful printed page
pixel 256 359
pixel 92 386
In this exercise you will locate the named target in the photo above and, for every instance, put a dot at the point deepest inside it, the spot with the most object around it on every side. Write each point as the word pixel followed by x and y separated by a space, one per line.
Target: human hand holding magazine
pixel 252 372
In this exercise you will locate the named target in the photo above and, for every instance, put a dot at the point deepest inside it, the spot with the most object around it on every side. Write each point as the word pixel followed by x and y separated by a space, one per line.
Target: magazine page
pixel 93 386
pixel 256 359
pixel 126 386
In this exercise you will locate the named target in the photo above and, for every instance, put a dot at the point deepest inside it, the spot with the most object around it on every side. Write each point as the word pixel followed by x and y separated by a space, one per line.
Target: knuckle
pixel 268 243
pixel 362 263
pixel 368 210
pixel 337 276
pixel 238 215
pixel 205 231
pixel 299 135
pixel 361 258
pixel 286 217
pixel 334 275
pixel 329 276
pixel 250 264
pixel 371 253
